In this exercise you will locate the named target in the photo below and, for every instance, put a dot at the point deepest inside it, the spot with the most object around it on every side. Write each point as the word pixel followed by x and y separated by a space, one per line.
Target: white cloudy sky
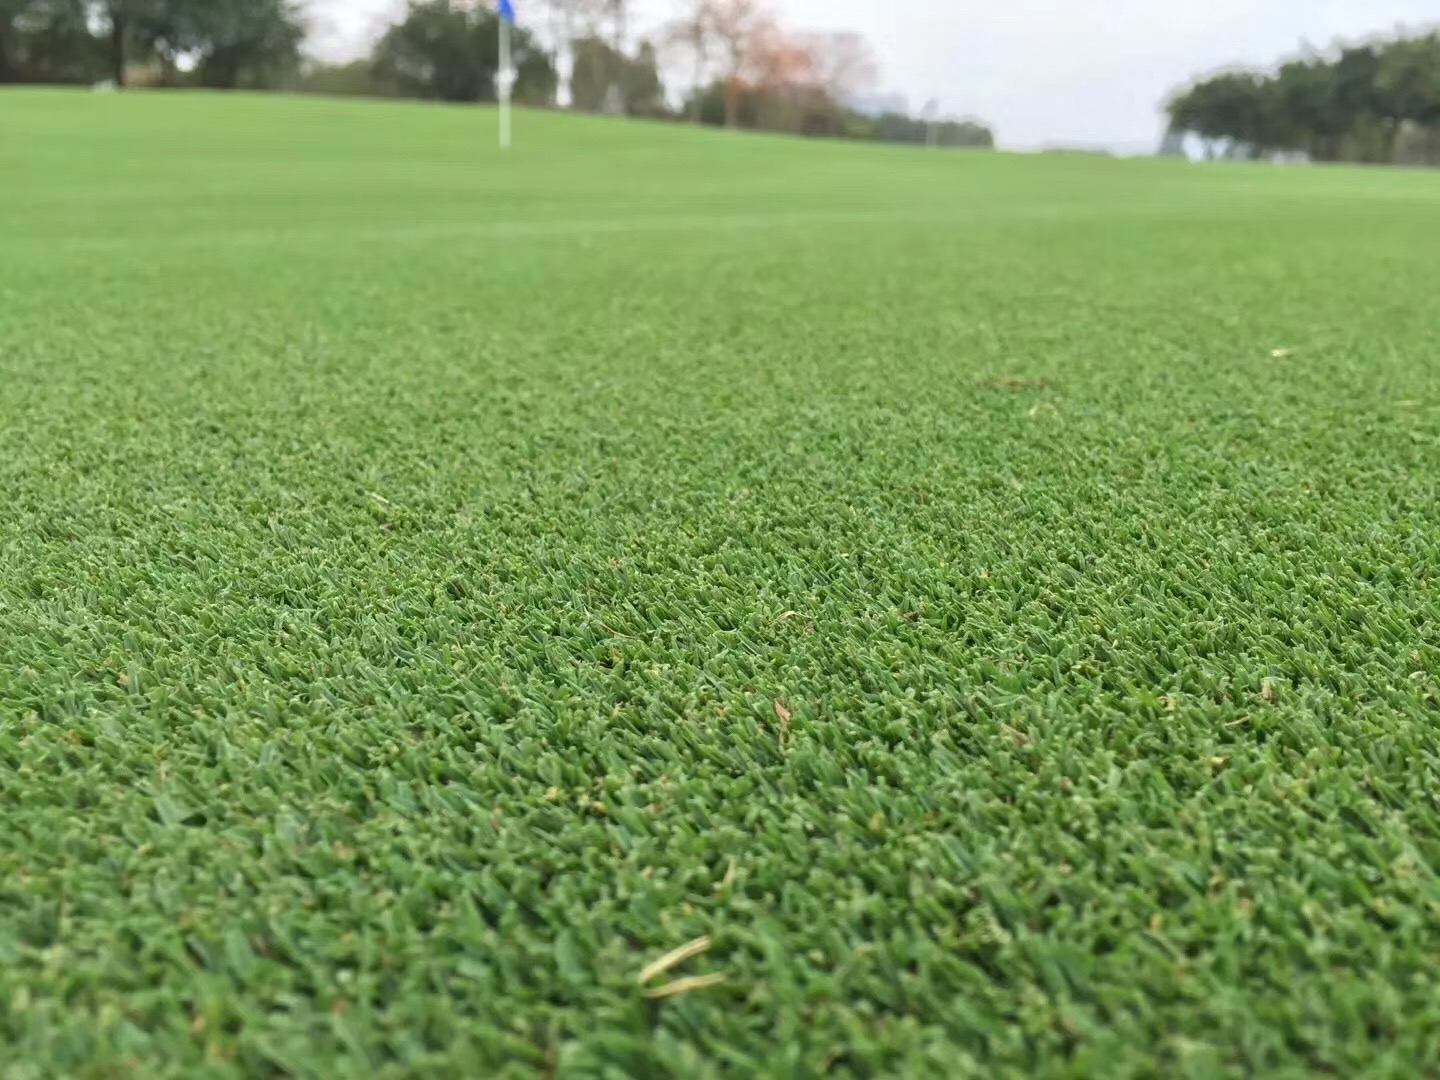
pixel 1041 71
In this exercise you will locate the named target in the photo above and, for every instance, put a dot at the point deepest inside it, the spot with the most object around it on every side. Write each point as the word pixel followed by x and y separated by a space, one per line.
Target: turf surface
pixel 994 598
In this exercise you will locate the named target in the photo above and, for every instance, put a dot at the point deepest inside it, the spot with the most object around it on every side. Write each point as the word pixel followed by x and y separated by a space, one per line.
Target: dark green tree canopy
pixel 452 53
pixel 604 78
pixel 46 41
pixel 1356 103
pixel 221 43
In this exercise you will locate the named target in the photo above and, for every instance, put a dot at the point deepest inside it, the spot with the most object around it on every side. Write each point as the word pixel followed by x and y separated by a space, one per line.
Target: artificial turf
pixel 994 598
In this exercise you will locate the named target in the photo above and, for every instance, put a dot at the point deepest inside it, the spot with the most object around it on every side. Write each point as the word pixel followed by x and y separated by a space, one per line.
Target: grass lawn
pixel 993 597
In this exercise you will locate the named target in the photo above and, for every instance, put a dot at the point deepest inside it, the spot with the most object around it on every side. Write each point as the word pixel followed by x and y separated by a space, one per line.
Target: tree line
pixel 1376 102
pixel 740 67
pixel 230 44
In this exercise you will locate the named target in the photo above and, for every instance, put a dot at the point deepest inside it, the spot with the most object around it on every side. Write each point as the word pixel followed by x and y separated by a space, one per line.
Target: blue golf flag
pixel 507 11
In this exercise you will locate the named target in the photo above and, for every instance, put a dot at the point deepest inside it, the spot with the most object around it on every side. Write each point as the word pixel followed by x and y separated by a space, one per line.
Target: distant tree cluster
pixel 451 52
pixel 1377 102
pixel 230 44
pixel 896 127
pixel 750 72
pixel 742 68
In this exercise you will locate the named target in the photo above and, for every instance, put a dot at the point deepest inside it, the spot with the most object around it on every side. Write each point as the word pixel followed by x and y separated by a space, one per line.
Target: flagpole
pixel 506 80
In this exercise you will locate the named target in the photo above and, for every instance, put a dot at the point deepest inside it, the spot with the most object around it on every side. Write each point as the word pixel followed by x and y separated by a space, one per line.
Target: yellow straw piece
pixel 673 957
pixel 684 986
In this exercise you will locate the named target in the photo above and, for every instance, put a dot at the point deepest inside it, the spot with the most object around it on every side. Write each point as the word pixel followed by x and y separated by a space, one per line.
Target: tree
pixel 739 29
pixel 536 81
pixel 119 19
pixel 1408 80
pixel 784 87
pixel 9 41
pixel 46 41
pixel 1360 107
pixel 1230 110
pixel 763 77
pixel 354 78
pixel 249 43
pixel 1305 120
pixel 1354 103
pixel 691 36
pixel 807 80
pixel 644 89
pixel 571 20
pixel 602 75
pixel 596 72
pixel 616 14
pixel 779 80
pixel 169 30
pixel 842 64
pixel 958 134
pixel 451 53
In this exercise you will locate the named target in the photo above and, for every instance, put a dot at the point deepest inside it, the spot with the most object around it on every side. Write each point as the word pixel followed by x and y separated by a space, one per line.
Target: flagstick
pixel 507 81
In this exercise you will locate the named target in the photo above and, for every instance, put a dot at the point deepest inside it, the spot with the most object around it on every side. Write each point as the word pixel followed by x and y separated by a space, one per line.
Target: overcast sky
pixel 1086 72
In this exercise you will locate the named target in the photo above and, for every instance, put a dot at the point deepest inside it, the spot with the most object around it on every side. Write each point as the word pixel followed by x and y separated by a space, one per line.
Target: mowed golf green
pixel 994 598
